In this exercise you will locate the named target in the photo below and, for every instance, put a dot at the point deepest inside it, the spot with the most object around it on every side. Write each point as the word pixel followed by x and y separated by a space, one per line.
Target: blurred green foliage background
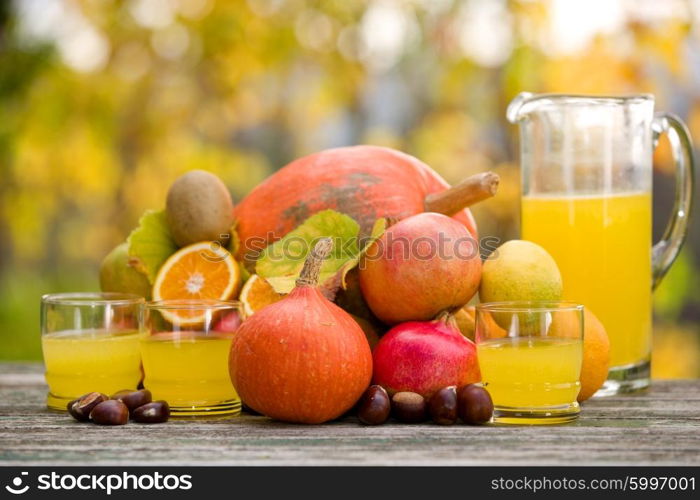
pixel 103 103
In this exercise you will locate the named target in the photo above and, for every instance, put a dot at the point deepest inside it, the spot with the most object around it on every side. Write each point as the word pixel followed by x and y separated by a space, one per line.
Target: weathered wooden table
pixel 659 427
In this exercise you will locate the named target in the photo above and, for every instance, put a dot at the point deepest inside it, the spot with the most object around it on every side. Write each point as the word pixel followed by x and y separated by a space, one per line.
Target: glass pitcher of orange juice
pixel 586 164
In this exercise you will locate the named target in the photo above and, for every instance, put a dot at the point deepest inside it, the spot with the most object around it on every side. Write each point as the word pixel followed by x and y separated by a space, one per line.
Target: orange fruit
pixel 596 356
pixel 466 322
pixel 567 324
pixel 203 270
pixel 256 294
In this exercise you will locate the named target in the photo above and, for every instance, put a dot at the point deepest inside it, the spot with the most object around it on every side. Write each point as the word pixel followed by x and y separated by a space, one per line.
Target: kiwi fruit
pixel 199 208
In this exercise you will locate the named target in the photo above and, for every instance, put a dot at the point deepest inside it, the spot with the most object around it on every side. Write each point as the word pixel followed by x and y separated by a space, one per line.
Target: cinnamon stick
pixel 471 190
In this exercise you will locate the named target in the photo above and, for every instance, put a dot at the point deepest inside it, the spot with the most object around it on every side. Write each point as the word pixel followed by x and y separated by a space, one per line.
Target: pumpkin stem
pixel 312 265
pixel 471 190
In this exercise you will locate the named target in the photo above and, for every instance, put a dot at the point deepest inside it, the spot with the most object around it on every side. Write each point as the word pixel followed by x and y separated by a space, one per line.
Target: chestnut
pixel 72 408
pixel 133 399
pixel 374 406
pixel 80 408
pixel 408 407
pixel 474 404
pixel 442 406
pixel 110 412
pixel 152 413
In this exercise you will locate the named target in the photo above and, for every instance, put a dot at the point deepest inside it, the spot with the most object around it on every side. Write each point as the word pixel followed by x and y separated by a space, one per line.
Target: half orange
pixel 256 294
pixel 199 271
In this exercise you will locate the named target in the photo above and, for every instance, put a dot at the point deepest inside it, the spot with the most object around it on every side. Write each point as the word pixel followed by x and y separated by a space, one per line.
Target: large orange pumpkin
pixel 364 182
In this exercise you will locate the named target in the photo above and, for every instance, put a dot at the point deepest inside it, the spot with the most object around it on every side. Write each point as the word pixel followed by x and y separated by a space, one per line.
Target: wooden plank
pixel 659 427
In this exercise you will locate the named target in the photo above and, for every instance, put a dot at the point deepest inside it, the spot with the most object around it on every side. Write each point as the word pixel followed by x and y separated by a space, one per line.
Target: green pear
pixel 116 275
pixel 520 270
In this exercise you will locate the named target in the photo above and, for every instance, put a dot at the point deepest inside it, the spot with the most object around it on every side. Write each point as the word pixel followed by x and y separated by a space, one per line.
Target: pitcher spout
pixel 514 113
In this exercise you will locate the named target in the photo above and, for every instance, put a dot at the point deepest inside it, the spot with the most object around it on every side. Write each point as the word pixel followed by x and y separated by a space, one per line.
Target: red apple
pixel 424 357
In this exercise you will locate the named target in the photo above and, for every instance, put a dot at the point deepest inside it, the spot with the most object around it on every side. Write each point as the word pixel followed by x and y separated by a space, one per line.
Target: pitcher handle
pixel 666 250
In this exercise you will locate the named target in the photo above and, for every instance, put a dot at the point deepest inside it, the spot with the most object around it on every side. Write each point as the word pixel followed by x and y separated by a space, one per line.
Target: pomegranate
pixel 302 359
pixel 424 357
pixel 419 267
pixel 228 323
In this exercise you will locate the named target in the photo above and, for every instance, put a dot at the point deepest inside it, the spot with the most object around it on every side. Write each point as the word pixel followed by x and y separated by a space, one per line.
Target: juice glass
pixel 185 350
pixel 530 356
pixel 90 343
pixel 586 164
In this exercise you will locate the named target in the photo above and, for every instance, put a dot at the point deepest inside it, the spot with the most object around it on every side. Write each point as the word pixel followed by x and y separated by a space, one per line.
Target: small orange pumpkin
pixel 302 359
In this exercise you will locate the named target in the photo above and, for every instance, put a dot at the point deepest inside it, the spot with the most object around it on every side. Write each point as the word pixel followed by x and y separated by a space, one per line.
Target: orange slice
pixel 256 294
pixel 202 271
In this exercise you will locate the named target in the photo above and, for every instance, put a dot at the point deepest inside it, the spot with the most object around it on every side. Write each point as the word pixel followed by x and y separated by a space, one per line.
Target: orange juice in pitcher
pixel 613 233
pixel 586 164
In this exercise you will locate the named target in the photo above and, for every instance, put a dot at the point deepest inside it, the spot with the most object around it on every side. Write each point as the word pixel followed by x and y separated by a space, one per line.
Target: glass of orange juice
pixel 586 164
pixel 185 350
pixel 530 356
pixel 90 343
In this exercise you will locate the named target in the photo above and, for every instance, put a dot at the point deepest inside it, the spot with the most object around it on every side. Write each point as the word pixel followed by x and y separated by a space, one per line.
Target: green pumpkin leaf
pixel 281 262
pixel 377 230
pixel 151 243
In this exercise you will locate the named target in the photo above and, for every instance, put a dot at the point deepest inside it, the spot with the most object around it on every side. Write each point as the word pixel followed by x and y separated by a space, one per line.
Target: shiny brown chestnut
pixel 110 412
pixel 72 407
pixel 408 407
pixel 442 406
pixel 80 408
pixel 374 406
pixel 134 399
pixel 474 404
pixel 152 413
